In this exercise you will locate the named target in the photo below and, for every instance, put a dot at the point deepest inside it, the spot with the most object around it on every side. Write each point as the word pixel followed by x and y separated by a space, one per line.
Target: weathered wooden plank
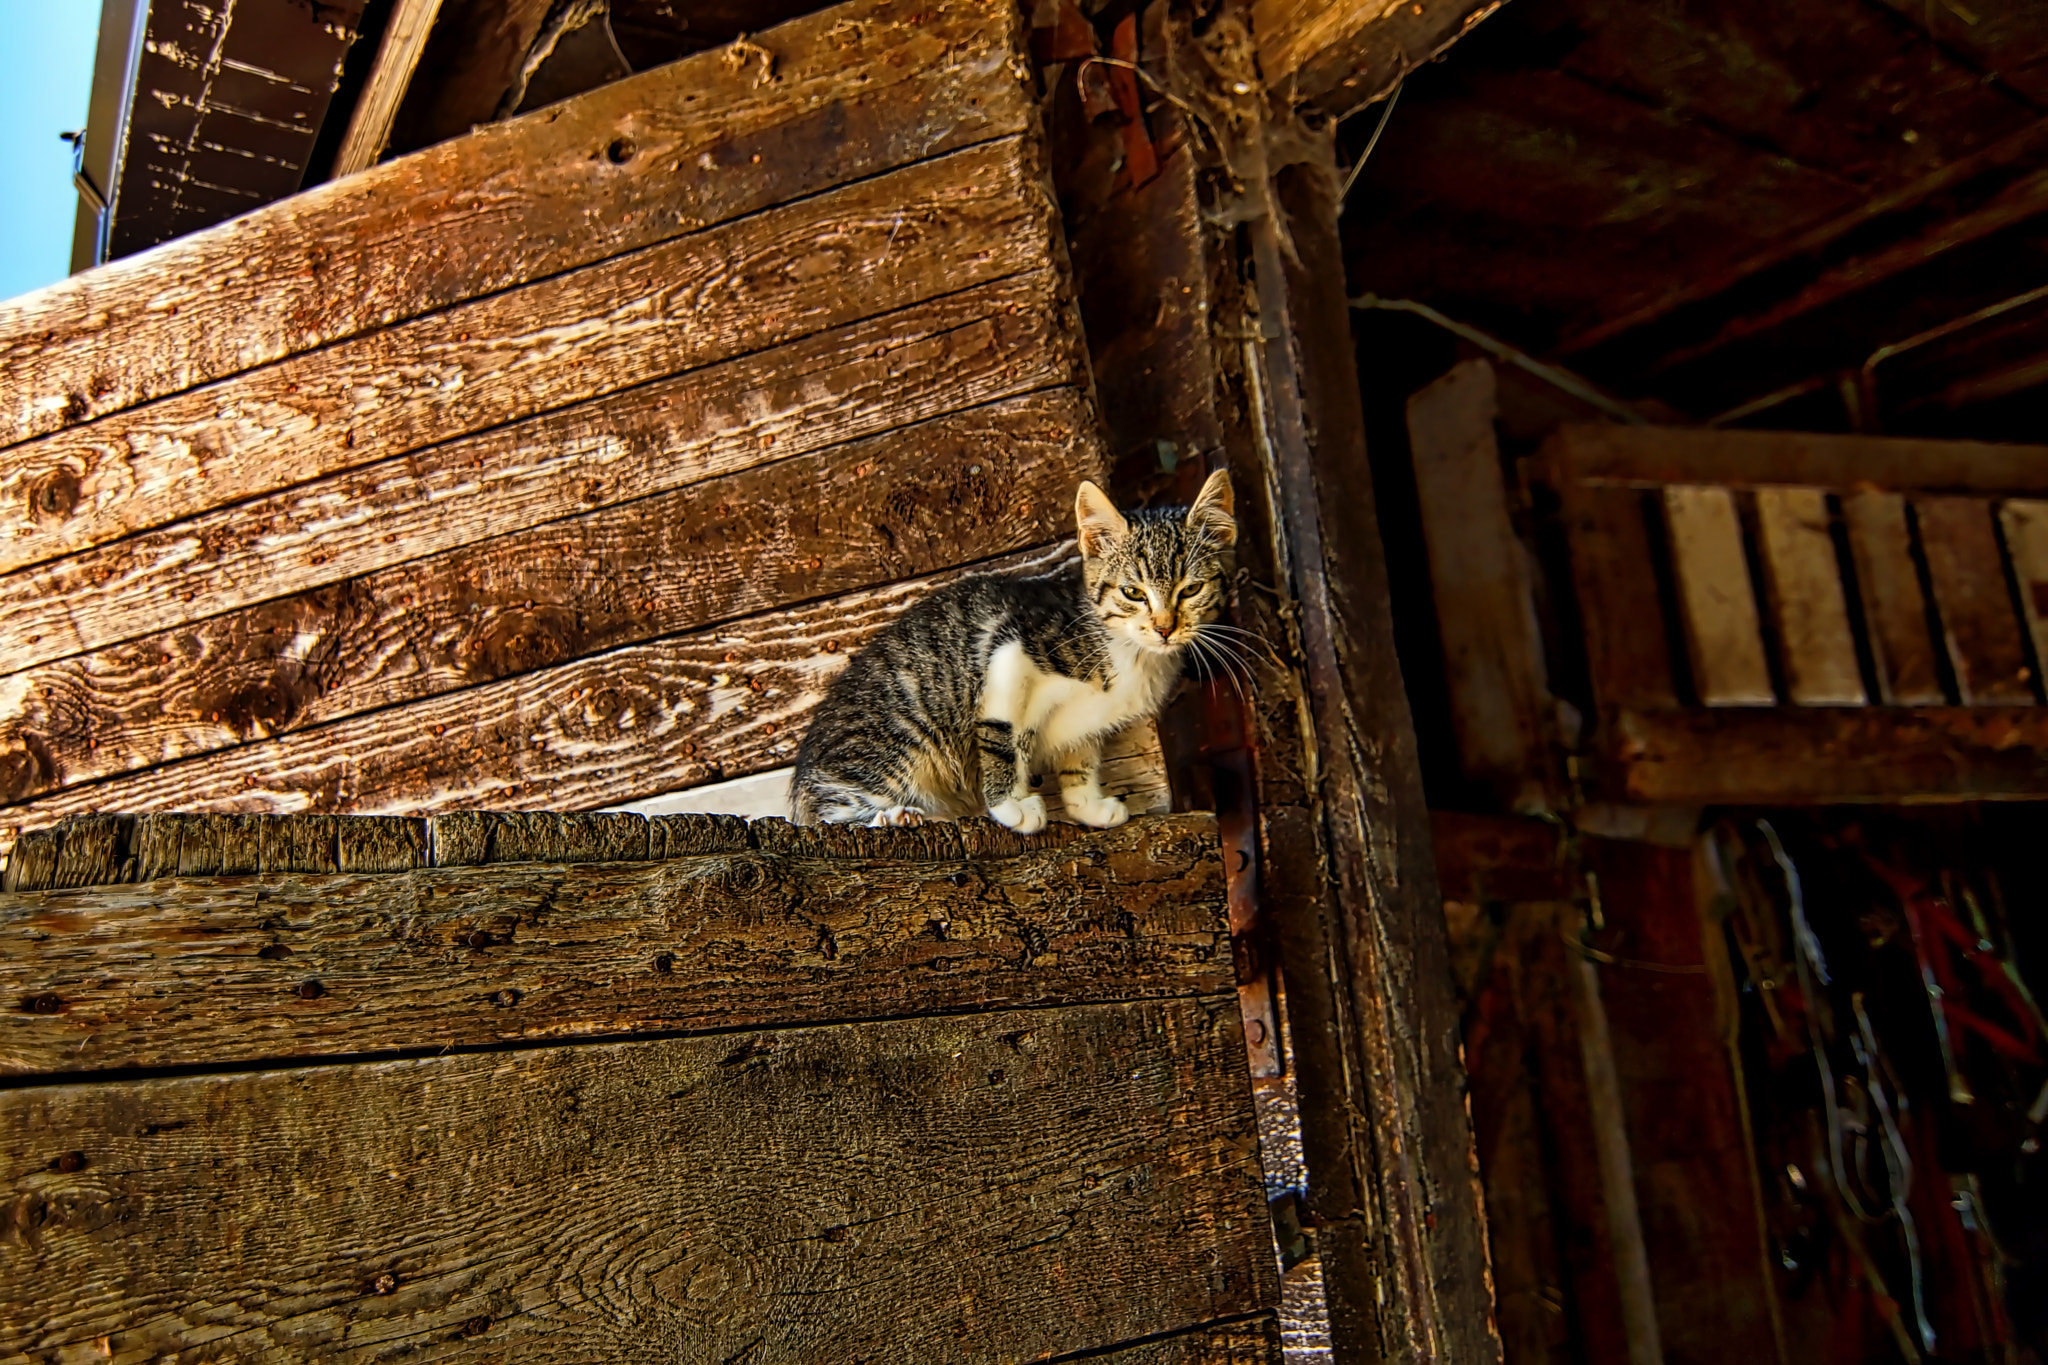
pixel 1901 645
pixel 1654 456
pixel 1337 55
pixel 1967 572
pixel 594 733
pixel 1000 1186
pixel 1804 579
pixel 398 53
pixel 1828 754
pixel 732 290
pixel 1723 635
pixel 2026 545
pixel 32 861
pixel 812 927
pixel 982 482
pixel 95 850
pixel 1248 1343
pixel 1627 651
pixel 831 98
pixel 1486 613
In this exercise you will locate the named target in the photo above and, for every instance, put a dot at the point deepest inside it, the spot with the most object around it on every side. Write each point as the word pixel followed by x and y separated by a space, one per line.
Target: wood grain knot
pixel 26 770
pixel 68 1163
pixel 55 494
pixel 477 1325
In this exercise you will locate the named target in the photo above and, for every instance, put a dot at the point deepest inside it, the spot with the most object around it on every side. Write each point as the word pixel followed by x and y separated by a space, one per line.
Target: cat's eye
pixel 1189 591
pixel 1135 594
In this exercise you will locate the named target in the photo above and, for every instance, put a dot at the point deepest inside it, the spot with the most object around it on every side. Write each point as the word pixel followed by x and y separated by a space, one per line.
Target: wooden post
pixel 1215 307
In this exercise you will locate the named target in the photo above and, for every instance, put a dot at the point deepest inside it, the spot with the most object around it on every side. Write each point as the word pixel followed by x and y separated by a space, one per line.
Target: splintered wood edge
pixel 110 850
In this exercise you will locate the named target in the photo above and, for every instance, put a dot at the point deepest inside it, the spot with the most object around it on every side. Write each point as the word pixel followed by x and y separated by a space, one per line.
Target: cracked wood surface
pixel 1003 1186
pixel 714 520
pixel 767 925
pixel 846 94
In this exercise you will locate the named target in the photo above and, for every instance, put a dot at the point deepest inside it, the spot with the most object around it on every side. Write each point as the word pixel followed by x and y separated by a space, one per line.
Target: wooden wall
pixel 551 1088
pixel 556 466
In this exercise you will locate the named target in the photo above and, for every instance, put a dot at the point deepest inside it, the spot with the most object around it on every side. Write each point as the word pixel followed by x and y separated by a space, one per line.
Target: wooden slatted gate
pixel 568 1088
pixel 1786 617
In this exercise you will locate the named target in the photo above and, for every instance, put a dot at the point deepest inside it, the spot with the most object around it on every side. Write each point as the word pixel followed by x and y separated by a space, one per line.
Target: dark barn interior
pixel 1824 1055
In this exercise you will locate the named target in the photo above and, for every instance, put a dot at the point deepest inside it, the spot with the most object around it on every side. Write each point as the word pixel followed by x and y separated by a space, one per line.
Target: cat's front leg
pixel 1081 790
pixel 1006 776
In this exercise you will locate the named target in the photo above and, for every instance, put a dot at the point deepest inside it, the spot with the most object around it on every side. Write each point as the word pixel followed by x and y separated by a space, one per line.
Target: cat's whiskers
pixel 1246 637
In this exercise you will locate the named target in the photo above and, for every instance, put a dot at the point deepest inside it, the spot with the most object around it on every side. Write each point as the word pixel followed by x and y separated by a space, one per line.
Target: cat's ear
pixel 1097 523
pixel 1213 513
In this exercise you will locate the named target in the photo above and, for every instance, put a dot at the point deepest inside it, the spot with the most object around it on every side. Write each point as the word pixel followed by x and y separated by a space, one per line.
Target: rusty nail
pixel 311 990
pixel 70 1163
pixel 385 1283
pixel 47 1003
pixel 664 963
pixel 479 939
pixel 505 999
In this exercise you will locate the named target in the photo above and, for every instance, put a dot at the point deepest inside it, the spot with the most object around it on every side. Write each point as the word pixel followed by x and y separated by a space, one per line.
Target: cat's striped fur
pixel 949 710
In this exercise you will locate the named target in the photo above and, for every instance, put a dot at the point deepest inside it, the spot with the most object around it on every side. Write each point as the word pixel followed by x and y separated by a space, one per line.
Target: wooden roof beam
pixel 1335 58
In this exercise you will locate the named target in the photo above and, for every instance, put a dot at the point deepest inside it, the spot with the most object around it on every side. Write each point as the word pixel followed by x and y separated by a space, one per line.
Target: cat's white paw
pixel 1104 812
pixel 1026 816
pixel 897 815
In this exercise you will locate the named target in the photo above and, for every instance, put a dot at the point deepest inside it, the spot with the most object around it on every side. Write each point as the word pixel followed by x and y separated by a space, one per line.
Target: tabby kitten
pixel 947 712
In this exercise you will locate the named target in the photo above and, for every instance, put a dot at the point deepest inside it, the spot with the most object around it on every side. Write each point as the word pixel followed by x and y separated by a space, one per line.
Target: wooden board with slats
pixel 1898 648
pixel 497 1086
pixel 527 468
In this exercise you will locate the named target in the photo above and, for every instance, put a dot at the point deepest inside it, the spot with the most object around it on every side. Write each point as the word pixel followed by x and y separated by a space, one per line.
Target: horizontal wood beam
pixel 1651 457
pixel 1824 754
pixel 770 925
pixel 1335 56
pixel 634 163
pixel 991 481
pixel 1017 1185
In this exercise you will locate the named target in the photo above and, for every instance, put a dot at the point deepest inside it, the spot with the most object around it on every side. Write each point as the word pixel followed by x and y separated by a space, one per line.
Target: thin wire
pixel 1500 350
pixel 1374 141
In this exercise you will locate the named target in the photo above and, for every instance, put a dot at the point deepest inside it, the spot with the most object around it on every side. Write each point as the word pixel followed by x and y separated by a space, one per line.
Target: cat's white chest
pixel 1065 712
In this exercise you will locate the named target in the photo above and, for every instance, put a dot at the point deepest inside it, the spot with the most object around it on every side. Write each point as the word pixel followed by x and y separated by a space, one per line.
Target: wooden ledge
pixel 114 850
pixel 688 924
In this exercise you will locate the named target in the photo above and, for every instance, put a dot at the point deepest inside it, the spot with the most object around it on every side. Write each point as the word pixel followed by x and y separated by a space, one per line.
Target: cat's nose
pixel 1165 631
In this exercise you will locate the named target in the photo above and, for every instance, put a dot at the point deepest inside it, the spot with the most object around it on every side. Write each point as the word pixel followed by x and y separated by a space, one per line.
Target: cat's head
pixel 1155 576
